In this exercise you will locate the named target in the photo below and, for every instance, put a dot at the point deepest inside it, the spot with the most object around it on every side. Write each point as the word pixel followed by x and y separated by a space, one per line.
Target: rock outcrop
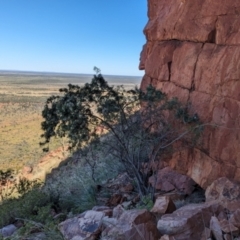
pixel 193 53
pixel 91 225
pixel 219 216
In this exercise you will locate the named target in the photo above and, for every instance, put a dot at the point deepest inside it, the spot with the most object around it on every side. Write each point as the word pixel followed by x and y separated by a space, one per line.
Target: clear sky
pixel 72 35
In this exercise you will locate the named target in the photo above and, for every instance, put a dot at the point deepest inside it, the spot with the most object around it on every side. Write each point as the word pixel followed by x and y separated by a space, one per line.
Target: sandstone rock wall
pixel 193 52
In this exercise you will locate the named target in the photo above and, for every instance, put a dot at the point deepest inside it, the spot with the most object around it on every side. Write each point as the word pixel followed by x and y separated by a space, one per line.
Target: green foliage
pixel 145 203
pixel 6 176
pixel 22 199
pixel 7 183
pixel 75 186
pixel 26 202
pixel 36 230
pixel 24 185
pixel 76 114
pixel 27 206
pixel 11 188
pixel 141 127
pixel 33 208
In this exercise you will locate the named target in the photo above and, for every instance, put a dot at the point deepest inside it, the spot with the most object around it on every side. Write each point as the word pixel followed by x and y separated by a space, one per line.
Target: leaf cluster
pixel 80 110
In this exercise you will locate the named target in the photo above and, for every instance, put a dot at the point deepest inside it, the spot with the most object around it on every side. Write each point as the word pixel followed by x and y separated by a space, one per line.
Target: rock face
pixel 193 53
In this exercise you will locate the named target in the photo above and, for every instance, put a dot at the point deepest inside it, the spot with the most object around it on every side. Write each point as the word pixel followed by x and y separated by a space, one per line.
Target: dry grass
pixel 21 104
pixel 20 130
pixel 22 96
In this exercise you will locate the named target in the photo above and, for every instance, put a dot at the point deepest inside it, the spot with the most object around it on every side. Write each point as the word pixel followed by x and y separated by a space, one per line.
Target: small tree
pixel 141 127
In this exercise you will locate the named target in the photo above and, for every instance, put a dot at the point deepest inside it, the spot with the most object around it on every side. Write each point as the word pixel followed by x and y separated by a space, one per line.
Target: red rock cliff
pixel 193 52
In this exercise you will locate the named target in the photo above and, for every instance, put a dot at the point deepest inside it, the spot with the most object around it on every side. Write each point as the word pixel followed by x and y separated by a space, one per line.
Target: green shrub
pixel 137 130
pixel 26 207
pixel 145 203
pixel 74 186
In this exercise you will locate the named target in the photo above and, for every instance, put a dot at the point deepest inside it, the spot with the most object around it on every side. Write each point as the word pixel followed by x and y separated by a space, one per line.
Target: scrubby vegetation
pixel 140 127
pixel 22 96
pixel 69 190
pixel 109 130
pixel 20 130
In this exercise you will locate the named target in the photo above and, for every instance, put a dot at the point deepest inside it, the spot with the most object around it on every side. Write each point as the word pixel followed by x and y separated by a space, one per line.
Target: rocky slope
pixel 193 52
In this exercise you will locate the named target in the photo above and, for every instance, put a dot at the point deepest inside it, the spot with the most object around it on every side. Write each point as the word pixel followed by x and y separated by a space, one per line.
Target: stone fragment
pixel 216 228
pixel 8 230
pixel 134 225
pixel 163 205
pixel 226 192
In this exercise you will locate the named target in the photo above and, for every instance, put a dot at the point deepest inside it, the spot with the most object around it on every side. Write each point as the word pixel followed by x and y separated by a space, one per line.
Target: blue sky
pixel 72 35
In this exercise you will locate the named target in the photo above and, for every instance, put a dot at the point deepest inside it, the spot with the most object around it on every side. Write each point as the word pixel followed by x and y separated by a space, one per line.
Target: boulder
pixel 84 227
pixel 226 192
pixel 162 205
pixel 168 180
pixel 190 221
pixel 193 53
pixel 8 230
pixel 132 224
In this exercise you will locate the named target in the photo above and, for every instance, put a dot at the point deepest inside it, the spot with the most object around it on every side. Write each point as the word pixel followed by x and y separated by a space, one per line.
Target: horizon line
pixel 46 72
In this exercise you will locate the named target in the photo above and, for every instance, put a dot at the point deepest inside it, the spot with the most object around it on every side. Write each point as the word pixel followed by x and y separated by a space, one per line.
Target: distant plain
pixel 22 96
